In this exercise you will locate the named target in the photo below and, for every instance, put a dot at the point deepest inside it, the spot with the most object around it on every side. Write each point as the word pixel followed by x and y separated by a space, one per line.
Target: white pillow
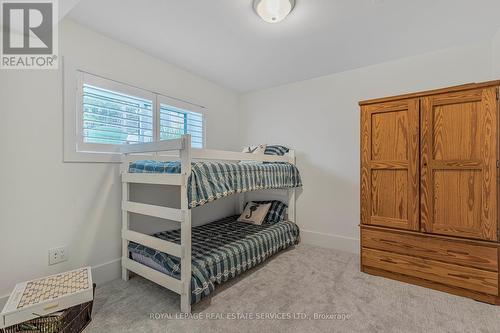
pixel 254 213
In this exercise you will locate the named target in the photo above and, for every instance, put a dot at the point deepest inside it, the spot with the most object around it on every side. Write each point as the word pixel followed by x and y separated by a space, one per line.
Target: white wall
pixel 320 119
pixel 495 54
pixel 45 202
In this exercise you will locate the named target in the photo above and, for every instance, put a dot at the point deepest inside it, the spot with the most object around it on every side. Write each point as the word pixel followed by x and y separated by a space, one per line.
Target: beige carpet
pixel 304 280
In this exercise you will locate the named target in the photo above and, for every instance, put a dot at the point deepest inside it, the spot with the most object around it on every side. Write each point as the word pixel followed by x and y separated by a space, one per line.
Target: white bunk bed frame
pixel 181 148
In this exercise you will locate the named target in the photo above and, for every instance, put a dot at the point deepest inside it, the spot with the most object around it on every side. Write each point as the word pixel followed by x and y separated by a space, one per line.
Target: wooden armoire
pixel 429 189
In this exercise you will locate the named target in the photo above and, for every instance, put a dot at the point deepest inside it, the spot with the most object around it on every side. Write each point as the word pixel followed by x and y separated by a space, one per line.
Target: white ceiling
pixel 227 43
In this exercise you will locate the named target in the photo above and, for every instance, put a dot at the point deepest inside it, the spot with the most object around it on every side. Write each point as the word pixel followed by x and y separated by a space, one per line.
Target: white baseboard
pixel 336 242
pixel 107 271
pixel 101 273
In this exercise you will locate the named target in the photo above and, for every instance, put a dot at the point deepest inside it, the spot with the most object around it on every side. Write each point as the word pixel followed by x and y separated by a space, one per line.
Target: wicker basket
pixel 72 320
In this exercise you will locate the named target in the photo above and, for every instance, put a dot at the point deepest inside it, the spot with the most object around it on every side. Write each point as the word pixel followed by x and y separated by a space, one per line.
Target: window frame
pixel 77 150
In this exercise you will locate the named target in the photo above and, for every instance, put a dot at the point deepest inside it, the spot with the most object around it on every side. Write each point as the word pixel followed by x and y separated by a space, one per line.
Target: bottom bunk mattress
pixel 221 250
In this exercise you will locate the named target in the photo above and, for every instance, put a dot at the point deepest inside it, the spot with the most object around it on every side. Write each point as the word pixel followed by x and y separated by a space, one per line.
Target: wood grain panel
pixel 454 275
pixel 458 164
pixel 446 250
pixel 456 135
pixel 457 202
pixel 426 188
pixel 489 153
pixel 389 222
pixel 365 192
pixel 389 164
pixel 389 194
pixel 427 93
pixel 454 164
pixel 459 97
pixel 481 297
pixel 386 107
pixel 390 136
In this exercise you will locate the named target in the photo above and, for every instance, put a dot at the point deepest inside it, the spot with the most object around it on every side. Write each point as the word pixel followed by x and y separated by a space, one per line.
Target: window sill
pixel 91 157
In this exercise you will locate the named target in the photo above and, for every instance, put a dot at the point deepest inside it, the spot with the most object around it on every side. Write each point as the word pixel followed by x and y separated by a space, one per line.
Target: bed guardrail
pixel 164 145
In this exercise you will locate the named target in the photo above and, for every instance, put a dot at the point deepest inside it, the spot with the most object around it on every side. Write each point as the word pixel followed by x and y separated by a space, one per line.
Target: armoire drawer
pixel 459 252
pixel 453 275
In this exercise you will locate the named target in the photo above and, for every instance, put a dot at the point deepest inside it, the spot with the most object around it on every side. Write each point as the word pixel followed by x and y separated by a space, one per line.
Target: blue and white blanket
pixel 213 180
pixel 221 250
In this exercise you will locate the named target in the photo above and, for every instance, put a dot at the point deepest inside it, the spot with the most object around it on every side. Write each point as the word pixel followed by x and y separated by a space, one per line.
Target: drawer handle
pixel 458 252
pixel 459 276
pixel 387 260
pixel 389 241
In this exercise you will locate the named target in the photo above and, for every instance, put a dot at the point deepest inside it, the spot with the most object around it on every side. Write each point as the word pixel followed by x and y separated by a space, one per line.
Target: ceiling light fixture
pixel 273 11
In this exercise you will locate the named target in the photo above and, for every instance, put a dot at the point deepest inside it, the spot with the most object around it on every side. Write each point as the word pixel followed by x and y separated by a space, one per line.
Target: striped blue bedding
pixel 211 180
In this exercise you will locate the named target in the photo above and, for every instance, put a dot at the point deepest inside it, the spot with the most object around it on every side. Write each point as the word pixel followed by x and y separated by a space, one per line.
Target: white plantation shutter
pixel 113 113
pixel 175 122
pixel 114 118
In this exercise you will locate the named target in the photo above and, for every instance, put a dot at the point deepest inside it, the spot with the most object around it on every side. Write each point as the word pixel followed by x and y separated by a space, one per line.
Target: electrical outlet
pixel 57 255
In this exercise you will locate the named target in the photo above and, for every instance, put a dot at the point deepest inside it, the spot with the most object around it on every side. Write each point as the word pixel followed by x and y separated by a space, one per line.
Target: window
pixel 111 114
pixel 175 122
pixel 113 118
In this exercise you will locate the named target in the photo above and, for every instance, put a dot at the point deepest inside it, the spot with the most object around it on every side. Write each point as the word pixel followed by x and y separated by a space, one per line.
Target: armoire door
pixel 459 164
pixel 389 164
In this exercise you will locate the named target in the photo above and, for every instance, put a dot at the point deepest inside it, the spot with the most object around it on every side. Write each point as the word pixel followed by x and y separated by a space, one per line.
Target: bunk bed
pixel 189 261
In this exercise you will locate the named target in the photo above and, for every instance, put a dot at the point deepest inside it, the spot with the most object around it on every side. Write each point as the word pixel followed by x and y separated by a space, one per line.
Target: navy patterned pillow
pixel 276 150
pixel 276 212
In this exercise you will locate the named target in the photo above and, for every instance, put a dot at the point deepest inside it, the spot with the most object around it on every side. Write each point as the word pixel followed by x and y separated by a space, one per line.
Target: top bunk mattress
pixel 211 180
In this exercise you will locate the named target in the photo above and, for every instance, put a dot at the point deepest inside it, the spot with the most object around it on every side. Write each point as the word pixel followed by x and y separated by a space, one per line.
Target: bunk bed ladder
pixel 182 215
